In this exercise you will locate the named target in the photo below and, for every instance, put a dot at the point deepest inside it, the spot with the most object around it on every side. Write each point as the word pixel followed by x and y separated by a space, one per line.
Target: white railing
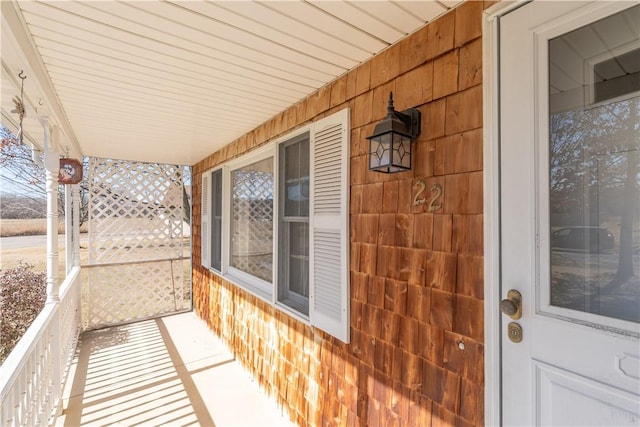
pixel 32 377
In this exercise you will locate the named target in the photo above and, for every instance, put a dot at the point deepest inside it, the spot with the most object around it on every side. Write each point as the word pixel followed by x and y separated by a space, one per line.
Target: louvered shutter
pixel 329 222
pixel 205 221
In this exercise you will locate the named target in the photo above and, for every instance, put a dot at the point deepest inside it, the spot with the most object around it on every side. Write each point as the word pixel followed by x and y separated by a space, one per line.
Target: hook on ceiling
pixel 19 103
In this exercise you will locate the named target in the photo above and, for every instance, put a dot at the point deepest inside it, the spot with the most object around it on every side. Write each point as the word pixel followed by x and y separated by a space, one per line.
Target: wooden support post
pixel 76 224
pixel 68 228
pixel 52 166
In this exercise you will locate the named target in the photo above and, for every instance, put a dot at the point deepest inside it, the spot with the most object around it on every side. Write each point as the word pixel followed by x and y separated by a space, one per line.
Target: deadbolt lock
pixel 514 332
pixel 512 305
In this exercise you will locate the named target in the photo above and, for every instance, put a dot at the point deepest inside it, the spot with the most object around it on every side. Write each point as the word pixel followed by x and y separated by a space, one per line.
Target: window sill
pixel 296 304
pixel 291 312
pixel 245 285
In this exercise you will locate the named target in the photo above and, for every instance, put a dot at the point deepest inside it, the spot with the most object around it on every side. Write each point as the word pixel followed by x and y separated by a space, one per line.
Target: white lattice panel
pixel 136 211
pixel 124 293
pixel 137 242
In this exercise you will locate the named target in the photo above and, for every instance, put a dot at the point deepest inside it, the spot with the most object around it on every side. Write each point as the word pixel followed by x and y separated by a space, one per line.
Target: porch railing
pixel 32 377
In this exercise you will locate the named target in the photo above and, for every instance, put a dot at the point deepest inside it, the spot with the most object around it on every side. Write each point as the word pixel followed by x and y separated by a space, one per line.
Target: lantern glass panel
pixel 374 157
pixel 401 151
pixel 380 151
pixel 385 141
pixel 406 149
pixel 397 154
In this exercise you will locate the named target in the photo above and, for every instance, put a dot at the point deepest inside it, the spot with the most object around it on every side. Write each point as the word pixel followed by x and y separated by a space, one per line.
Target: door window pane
pixel 595 168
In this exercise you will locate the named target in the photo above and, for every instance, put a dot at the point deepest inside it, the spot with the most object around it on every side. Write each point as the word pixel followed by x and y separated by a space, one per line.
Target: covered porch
pixel 164 371
pixel 201 83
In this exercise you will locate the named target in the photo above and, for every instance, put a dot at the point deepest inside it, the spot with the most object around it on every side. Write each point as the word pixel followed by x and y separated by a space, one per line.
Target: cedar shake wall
pixel 416 351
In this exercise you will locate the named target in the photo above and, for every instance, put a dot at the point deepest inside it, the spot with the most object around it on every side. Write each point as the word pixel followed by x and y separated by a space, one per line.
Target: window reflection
pixel 595 234
pixel 594 178
pixel 252 219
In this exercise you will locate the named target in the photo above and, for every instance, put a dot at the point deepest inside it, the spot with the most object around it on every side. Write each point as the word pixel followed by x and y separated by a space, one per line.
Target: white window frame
pixel 206 231
pixel 211 218
pixel 292 296
pixel 205 227
pixel 253 284
pixel 329 295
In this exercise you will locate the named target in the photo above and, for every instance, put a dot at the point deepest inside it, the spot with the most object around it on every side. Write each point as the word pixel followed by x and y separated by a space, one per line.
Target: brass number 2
pixel 436 191
pixel 416 201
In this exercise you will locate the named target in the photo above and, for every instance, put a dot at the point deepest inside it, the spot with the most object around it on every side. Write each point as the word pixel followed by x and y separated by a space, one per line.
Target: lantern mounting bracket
pixel 411 118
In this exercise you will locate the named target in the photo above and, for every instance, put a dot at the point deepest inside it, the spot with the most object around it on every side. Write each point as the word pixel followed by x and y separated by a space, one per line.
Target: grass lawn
pixel 29 227
pixel 35 256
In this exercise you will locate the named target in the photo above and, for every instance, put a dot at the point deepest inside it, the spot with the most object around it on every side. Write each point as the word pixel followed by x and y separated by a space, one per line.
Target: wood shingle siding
pixel 416 276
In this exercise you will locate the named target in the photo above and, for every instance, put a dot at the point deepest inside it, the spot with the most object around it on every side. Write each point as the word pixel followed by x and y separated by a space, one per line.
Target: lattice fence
pixel 138 243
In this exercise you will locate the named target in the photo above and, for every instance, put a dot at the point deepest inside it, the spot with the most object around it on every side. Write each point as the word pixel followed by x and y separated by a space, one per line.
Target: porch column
pixel 68 228
pixel 52 166
pixel 76 224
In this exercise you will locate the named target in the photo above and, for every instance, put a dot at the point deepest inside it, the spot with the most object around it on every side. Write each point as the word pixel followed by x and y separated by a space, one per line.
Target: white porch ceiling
pixel 173 81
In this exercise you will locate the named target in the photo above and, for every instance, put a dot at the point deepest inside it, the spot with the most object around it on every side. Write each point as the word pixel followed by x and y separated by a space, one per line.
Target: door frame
pixel 491 207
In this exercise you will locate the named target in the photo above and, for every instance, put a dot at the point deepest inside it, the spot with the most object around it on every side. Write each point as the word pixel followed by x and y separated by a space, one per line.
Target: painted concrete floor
pixel 163 372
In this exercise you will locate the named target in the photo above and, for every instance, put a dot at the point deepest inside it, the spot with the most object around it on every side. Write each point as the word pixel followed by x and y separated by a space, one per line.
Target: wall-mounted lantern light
pixel 390 144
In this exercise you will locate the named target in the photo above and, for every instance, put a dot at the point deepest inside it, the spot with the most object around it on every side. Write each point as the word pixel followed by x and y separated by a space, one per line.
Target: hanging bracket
pixel 19 103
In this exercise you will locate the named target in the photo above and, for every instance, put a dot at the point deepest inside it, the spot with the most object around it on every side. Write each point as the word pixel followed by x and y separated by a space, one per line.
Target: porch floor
pixel 162 372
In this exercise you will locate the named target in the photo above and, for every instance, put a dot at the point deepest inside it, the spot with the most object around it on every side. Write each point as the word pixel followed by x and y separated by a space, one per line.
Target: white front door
pixel 570 213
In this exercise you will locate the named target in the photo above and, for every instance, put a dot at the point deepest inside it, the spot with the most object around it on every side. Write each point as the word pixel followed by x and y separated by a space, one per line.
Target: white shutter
pixel 329 222
pixel 205 222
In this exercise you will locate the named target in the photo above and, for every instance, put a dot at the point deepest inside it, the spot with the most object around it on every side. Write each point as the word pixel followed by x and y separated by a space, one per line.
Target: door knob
pixel 512 305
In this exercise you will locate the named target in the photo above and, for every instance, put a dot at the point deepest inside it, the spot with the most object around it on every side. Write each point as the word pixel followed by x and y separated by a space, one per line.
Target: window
pixel 293 239
pixel 216 226
pixel 275 222
pixel 252 219
pixel 211 223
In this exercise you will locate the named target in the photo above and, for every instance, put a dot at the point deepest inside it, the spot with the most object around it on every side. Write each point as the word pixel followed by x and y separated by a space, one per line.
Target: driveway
pixel 21 242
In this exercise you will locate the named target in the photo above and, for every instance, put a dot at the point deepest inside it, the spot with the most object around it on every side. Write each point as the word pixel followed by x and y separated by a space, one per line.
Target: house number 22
pixel 436 192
